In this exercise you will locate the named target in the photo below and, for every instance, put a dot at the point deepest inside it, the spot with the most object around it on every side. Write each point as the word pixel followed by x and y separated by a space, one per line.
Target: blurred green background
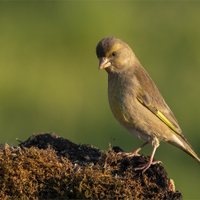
pixel 49 78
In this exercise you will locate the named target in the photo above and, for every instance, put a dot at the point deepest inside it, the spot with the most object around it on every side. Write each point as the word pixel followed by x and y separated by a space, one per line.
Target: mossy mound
pixel 47 166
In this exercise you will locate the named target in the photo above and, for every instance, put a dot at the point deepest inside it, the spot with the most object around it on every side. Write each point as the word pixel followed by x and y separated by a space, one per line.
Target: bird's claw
pixel 145 166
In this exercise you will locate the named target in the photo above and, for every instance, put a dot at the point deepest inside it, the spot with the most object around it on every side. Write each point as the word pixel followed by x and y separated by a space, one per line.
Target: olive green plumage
pixel 135 100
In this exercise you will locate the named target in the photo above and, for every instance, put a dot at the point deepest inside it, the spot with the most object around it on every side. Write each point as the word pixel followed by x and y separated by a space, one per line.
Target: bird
pixel 136 102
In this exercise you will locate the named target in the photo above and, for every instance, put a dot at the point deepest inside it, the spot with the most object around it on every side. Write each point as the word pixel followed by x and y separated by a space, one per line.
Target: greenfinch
pixel 136 102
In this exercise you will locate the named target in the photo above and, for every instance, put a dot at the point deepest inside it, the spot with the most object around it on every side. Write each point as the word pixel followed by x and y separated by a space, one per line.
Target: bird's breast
pixel 120 99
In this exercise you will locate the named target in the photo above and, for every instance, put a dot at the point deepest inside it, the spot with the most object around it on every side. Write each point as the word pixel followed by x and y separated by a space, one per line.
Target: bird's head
pixel 114 55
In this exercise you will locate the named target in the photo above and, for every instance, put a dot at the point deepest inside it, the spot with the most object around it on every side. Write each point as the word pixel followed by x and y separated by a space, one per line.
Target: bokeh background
pixel 49 78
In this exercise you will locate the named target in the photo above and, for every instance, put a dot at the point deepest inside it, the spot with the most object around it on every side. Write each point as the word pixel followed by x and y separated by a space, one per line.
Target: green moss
pixel 37 173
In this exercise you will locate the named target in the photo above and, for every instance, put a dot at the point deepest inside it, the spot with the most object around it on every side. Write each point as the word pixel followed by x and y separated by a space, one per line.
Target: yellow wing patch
pixel 140 100
pixel 166 121
pixel 160 115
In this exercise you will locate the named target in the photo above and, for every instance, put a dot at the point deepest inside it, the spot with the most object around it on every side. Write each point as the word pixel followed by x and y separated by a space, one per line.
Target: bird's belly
pixel 140 134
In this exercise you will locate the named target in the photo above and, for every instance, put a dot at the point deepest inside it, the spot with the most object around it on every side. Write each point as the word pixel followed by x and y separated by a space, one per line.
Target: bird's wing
pixel 150 97
pixel 166 117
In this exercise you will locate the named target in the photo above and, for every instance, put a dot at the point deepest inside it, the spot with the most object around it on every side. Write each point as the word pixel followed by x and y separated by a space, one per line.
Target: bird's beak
pixel 104 63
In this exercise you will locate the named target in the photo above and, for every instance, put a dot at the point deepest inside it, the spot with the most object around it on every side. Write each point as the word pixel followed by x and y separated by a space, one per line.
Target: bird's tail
pixel 186 147
pixel 191 152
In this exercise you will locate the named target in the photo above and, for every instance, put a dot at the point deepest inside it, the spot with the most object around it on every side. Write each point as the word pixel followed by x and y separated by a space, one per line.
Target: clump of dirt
pixel 47 166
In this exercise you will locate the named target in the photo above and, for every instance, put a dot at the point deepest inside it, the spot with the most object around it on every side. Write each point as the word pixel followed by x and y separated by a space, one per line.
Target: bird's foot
pixel 145 166
pixel 134 153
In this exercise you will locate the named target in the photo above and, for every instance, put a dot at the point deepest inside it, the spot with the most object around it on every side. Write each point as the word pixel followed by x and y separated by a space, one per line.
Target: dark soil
pixel 47 166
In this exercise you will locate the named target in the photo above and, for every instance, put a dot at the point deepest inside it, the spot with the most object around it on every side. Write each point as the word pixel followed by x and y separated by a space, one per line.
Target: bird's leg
pixel 134 153
pixel 145 166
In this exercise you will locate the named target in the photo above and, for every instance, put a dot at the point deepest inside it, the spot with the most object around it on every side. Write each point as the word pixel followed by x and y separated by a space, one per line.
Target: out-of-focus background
pixel 49 78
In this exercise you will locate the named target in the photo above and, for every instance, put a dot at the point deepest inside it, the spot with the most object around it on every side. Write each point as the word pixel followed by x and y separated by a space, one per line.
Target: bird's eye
pixel 113 53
